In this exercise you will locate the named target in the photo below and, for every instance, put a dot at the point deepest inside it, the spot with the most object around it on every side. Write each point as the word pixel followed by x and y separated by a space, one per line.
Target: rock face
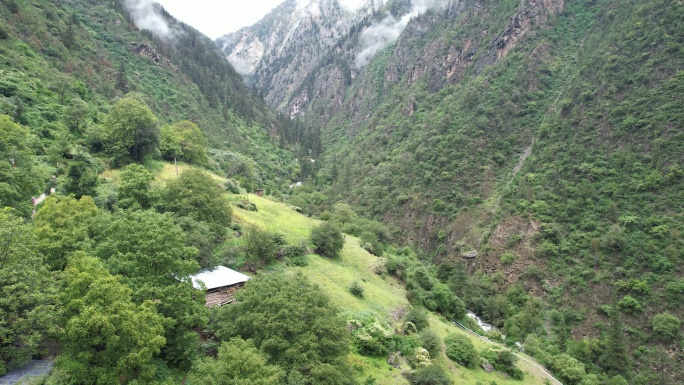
pixel 278 53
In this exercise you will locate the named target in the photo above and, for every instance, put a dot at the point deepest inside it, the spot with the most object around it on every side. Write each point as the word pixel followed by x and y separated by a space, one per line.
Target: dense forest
pixel 537 182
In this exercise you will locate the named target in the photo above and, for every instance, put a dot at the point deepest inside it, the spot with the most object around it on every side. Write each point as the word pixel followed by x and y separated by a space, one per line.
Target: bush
pixel 356 289
pixel 327 240
pixel 507 258
pixel 232 186
pixel 460 350
pixel 430 341
pixel 666 326
pixel 260 246
pixel 504 361
pixel 418 317
pixel 372 338
pixel 431 375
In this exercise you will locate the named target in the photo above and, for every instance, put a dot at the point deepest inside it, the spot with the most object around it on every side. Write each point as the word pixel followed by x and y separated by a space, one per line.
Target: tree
pixel 666 326
pixel 327 239
pixel 615 358
pixel 239 362
pixel 294 323
pixel 62 227
pixel 195 194
pixel 184 140
pixel 134 188
pixel 19 176
pixel 460 350
pixel 27 294
pixel 131 129
pixel 568 369
pixel 343 213
pixel 260 246
pixel 81 176
pixel 145 247
pixel 148 250
pixel 106 338
pixel 76 114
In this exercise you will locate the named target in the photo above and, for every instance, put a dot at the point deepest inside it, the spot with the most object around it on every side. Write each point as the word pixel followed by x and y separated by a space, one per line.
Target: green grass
pixel 383 295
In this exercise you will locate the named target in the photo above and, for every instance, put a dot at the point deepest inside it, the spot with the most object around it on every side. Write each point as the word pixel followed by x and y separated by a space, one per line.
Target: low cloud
pixel 146 15
pixel 379 35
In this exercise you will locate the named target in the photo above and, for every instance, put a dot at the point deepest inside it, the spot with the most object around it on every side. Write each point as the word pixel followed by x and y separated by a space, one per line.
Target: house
pixel 221 284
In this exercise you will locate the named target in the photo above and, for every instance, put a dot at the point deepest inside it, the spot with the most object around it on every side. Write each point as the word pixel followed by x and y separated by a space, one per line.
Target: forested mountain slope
pixel 64 62
pixel 428 135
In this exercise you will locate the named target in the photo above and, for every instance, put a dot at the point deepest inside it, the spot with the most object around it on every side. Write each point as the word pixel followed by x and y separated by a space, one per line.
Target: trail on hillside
pixel 516 170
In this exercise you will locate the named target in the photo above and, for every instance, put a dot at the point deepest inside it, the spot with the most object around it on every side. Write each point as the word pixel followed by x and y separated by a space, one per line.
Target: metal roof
pixel 220 276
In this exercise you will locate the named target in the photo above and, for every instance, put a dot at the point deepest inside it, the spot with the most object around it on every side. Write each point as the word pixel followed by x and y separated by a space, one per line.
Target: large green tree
pixel 27 294
pixel 134 188
pixel 148 249
pixel 61 227
pixel 327 239
pixel 107 338
pixel 293 322
pixel 196 195
pixel 19 176
pixel 239 362
pixel 131 129
pixel 184 140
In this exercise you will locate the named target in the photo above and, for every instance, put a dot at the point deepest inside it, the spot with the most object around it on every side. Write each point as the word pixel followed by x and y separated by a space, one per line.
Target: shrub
pixel 260 246
pixel 373 339
pixel 666 326
pixel 232 186
pixel 504 361
pixel 356 289
pixel 507 258
pixel 430 341
pixel 431 375
pixel 629 304
pixel 327 240
pixel 418 317
pixel 460 350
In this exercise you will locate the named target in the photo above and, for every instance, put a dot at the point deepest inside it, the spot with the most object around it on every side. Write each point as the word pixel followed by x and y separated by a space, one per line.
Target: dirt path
pixel 526 154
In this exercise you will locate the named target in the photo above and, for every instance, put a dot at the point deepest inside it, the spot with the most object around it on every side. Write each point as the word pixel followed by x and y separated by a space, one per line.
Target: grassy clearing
pixel 383 295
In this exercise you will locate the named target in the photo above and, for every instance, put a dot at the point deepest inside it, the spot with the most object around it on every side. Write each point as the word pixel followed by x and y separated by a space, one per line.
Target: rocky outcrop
pixel 279 53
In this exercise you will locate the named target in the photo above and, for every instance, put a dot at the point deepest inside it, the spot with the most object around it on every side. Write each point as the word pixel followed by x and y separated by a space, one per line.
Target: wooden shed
pixel 221 284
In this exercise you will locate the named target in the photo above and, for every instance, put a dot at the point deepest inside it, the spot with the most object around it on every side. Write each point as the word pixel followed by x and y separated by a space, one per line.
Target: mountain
pixel 277 53
pixel 534 145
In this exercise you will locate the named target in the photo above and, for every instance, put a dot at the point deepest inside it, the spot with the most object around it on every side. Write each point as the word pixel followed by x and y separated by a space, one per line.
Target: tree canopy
pixel 184 140
pixel 131 129
pixel 293 322
pixel 327 239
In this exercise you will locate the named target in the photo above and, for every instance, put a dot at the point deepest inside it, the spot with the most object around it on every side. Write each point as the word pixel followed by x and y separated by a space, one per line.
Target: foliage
pixel 568 369
pixel 62 226
pixel 666 326
pixel 19 175
pixel 418 317
pixel 504 361
pixel 27 292
pixel 238 362
pixel 356 289
pixel 134 188
pixel 131 129
pixel 327 240
pixel 261 247
pixel 431 342
pixel 372 338
pixel 460 350
pixel 196 195
pixel 106 336
pixel 292 322
pixel 430 375
pixel 144 246
pixel 184 140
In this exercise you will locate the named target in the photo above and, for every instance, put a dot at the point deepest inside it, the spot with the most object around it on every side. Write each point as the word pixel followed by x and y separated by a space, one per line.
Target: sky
pixel 216 18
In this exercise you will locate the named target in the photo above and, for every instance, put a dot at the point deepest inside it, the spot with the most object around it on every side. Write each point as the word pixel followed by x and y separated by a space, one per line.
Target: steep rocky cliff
pixel 278 52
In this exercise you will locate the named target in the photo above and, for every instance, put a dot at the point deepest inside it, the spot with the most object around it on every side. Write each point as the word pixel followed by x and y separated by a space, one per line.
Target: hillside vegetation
pixel 585 230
